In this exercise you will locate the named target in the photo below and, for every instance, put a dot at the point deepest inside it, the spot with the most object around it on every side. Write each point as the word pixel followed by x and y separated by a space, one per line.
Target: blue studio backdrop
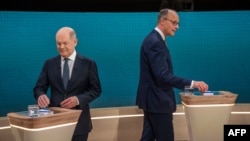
pixel 210 46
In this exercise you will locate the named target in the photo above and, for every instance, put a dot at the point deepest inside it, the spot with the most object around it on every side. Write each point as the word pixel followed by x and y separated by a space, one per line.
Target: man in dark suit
pixel 82 87
pixel 155 90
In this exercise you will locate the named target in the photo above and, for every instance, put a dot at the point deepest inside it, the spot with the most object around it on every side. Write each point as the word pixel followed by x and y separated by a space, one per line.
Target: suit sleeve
pixel 42 83
pixel 94 89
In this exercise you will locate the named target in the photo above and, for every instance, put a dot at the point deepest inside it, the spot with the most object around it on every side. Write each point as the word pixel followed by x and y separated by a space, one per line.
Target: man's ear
pixel 76 42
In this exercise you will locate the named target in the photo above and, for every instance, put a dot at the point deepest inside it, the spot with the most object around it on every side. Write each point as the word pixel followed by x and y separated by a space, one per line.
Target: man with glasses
pixel 157 81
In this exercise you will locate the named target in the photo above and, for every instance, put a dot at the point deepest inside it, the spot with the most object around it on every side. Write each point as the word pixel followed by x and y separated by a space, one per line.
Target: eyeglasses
pixel 175 23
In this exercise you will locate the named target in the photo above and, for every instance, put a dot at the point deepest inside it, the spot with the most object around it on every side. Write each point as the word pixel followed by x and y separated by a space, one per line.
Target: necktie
pixel 65 73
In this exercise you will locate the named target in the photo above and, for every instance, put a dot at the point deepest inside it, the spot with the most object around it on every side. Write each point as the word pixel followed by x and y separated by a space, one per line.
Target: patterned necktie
pixel 65 73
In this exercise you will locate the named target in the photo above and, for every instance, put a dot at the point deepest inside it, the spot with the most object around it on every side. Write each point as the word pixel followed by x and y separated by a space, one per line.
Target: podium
pixel 59 126
pixel 207 115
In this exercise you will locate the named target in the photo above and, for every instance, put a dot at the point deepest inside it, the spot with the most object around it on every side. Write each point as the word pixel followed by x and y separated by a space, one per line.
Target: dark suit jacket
pixel 84 83
pixel 155 90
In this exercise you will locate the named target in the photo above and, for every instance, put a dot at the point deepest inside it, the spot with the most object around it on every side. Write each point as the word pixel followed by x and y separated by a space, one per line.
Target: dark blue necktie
pixel 65 73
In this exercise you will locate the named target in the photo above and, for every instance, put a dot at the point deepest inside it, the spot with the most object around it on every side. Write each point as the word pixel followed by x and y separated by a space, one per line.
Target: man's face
pixel 171 24
pixel 65 44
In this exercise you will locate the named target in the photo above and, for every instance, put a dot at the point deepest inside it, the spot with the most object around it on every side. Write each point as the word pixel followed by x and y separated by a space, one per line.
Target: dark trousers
pixel 157 126
pixel 80 137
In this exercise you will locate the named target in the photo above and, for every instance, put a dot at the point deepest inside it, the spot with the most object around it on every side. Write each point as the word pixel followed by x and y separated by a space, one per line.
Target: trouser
pixel 80 137
pixel 157 126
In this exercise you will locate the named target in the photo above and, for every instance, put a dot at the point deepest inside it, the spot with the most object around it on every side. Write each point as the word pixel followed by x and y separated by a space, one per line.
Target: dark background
pixel 122 5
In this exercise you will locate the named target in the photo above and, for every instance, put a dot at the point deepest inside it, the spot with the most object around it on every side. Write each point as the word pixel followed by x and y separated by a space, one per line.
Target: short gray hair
pixel 162 13
pixel 72 33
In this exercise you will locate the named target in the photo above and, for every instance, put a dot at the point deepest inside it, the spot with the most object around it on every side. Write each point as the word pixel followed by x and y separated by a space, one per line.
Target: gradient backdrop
pixel 210 46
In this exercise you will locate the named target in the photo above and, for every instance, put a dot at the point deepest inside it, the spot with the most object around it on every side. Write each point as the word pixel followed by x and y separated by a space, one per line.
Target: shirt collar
pixel 160 32
pixel 71 57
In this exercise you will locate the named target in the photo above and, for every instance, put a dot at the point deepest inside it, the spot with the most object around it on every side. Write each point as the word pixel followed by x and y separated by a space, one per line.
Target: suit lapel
pixel 58 72
pixel 75 69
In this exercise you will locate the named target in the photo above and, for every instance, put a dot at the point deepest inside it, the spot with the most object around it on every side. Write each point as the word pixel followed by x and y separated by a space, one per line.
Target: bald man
pixel 157 80
pixel 82 87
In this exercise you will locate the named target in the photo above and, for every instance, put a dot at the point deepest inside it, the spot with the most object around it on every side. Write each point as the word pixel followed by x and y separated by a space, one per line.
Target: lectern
pixel 207 114
pixel 58 126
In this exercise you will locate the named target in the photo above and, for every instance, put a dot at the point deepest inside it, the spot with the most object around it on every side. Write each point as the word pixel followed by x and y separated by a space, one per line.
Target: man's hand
pixel 200 85
pixel 43 101
pixel 69 102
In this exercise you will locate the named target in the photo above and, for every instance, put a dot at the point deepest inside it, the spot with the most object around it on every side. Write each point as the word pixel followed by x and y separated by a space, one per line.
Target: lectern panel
pixel 60 116
pixel 57 127
pixel 206 115
pixel 222 97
